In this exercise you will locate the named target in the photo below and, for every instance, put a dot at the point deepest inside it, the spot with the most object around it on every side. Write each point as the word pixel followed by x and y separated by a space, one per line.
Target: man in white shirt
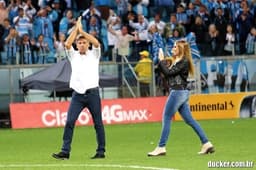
pixel 158 22
pixel 84 81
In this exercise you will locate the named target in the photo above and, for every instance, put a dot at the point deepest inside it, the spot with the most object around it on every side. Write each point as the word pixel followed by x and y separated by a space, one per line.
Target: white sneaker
pixel 158 151
pixel 206 148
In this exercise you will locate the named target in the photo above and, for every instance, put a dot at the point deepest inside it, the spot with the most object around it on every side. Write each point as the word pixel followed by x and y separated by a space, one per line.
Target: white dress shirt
pixel 85 69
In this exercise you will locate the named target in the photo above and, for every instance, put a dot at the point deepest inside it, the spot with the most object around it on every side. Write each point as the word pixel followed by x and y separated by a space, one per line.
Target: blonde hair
pixel 185 51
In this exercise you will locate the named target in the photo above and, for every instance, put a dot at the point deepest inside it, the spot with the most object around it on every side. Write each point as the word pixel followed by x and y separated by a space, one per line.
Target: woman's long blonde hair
pixel 185 51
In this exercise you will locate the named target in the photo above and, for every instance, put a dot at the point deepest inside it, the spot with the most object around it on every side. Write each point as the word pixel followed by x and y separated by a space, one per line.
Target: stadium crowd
pixel 33 32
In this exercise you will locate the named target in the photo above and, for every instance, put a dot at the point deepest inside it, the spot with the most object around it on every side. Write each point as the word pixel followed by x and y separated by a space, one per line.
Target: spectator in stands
pixel 165 8
pixel 156 43
pixel 136 21
pixel 4 32
pixel 212 40
pixel 94 25
pixel 233 6
pixel 216 5
pixel 23 23
pixel 203 13
pixel 244 24
pixel 3 11
pixel 141 7
pixel 112 16
pixel 173 24
pixel 141 29
pixel 171 41
pixel 27 50
pixel 54 14
pixel 13 10
pixel 12 42
pixel 43 50
pixel 92 11
pixel 96 35
pixel 122 45
pixel 221 24
pixel 114 22
pixel 20 3
pixel 67 22
pixel 181 16
pixel 230 40
pixel 62 5
pixel 178 73
pixel 191 14
pixel 60 47
pixel 144 69
pixel 160 24
pixel 123 41
pixel 43 26
pixel 130 13
pixel 122 7
pixel 139 26
pixel 29 9
pixel 250 43
pixel 200 30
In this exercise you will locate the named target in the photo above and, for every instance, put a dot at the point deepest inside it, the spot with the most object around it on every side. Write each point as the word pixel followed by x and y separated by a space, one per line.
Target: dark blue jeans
pixel 91 100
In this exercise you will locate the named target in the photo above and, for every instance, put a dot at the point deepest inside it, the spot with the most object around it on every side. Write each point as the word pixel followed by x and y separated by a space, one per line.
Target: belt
pixel 91 90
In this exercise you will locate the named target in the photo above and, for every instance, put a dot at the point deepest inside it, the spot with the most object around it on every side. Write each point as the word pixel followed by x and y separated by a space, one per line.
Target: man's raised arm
pixel 89 37
pixel 71 38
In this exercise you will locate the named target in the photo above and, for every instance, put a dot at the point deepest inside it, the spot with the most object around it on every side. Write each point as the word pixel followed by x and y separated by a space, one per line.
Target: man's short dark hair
pixel 79 37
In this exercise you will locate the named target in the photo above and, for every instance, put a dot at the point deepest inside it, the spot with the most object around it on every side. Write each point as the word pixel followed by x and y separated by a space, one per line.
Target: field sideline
pixel 127 147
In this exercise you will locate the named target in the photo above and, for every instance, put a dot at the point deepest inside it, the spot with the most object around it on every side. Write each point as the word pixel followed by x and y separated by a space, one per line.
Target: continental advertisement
pixel 134 110
pixel 222 106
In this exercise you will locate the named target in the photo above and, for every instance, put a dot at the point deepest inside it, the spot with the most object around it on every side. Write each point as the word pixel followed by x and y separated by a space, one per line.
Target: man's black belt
pixel 91 90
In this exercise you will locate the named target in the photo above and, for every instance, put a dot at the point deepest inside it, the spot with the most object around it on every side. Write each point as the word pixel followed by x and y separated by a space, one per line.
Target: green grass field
pixel 127 147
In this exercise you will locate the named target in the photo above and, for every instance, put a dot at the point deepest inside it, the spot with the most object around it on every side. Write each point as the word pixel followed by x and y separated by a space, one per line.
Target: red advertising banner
pixel 134 110
pixel 116 111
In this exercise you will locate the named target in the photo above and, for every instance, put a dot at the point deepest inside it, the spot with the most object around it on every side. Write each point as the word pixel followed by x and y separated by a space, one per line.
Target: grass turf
pixel 127 146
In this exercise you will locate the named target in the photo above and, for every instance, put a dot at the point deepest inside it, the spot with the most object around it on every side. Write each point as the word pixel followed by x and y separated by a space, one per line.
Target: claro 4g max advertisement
pixel 134 110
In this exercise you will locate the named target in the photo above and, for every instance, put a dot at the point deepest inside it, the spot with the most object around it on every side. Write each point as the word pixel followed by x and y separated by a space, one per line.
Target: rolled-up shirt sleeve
pixel 96 51
pixel 70 52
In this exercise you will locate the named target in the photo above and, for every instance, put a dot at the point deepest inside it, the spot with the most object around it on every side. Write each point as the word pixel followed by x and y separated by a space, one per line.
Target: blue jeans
pixel 178 101
pixel 92 101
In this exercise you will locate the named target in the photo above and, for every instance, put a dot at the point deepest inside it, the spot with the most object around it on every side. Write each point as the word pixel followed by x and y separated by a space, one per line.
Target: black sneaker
pixel 61 155
pixel 98 156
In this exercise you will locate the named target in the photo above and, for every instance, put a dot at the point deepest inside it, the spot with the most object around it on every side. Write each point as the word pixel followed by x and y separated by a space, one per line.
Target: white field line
pixel 83 165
